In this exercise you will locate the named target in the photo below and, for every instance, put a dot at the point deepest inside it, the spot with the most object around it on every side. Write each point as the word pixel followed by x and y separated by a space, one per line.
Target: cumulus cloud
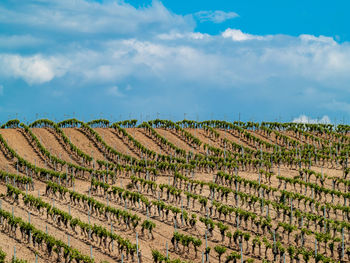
pixel 145 60
pixel 85 45
pixel 235 63
pixel 92 17
pixel 242 57
pixel 322 39
pixel 305 119
pixel 33 69
pixel 217 16
pixel 238 35
pixel 177 35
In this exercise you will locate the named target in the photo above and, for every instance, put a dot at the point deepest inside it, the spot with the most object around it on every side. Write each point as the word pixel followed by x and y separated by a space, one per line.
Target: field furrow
pixel 110 136
pixel 48 139
pixel 167 134
pixel 146 140
pixel 18 142
pixel 265 199
pixel 79 139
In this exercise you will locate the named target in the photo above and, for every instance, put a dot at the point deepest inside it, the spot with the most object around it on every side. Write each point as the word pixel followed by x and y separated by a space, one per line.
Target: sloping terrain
pixel 20 144
pixel 110 136
pixel 171 137
pixel 49 141
pixel 261 202
pixel 140 136
pixel 79 139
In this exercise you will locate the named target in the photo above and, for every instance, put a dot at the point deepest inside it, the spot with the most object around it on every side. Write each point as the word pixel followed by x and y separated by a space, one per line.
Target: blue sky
pixel 253 60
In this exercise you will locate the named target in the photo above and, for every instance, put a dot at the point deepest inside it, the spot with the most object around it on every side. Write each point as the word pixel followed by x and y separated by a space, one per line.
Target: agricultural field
pixel 160 191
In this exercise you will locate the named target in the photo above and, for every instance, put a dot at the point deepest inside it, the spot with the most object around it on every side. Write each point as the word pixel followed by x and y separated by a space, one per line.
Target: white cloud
pixel 84 44
pixel 321 39
pixel 33 69
pixel 115 91
pixel 238 35
pixel 108 17
pixel 304 119
pixel 323 61
pixel 179 60
pixel 217 16
pixel 177 35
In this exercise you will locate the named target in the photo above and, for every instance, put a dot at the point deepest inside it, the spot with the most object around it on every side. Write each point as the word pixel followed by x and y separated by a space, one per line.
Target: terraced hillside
pixel 161 191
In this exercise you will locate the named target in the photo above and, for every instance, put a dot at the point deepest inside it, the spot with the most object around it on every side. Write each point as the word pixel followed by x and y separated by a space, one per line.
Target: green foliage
pixel 220 250
pixel 2 256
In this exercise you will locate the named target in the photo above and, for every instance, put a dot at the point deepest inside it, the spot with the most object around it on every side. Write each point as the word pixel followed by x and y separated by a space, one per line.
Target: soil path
pixel 60 233
pixel 79 139
pixel 50 142
pixel 23 251
pixel 229 136
pixel 174 139
pixel 20 144
pixel 109 135
pixel 149 143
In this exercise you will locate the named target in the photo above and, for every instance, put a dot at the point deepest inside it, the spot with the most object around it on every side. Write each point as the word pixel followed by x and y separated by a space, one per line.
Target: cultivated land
pixel 218 191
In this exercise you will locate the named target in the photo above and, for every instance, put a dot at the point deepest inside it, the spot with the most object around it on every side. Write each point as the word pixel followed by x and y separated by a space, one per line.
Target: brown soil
pixel 204 137
pixel 149 143
pixel 80 140
pixel 271 140
pixel 229 136
pixel 19 143
pixel 164 228
pixel 23 251
pixel 111 137
pixel 291 135
pixel 49 141
pixel 40 222
pixel 167 134
pixel 7 165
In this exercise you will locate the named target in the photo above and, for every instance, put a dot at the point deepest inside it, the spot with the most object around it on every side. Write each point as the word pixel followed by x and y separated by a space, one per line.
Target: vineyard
pixel 163 191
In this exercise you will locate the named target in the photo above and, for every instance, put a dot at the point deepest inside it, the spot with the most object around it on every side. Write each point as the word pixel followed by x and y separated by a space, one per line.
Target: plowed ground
pixel 164 228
